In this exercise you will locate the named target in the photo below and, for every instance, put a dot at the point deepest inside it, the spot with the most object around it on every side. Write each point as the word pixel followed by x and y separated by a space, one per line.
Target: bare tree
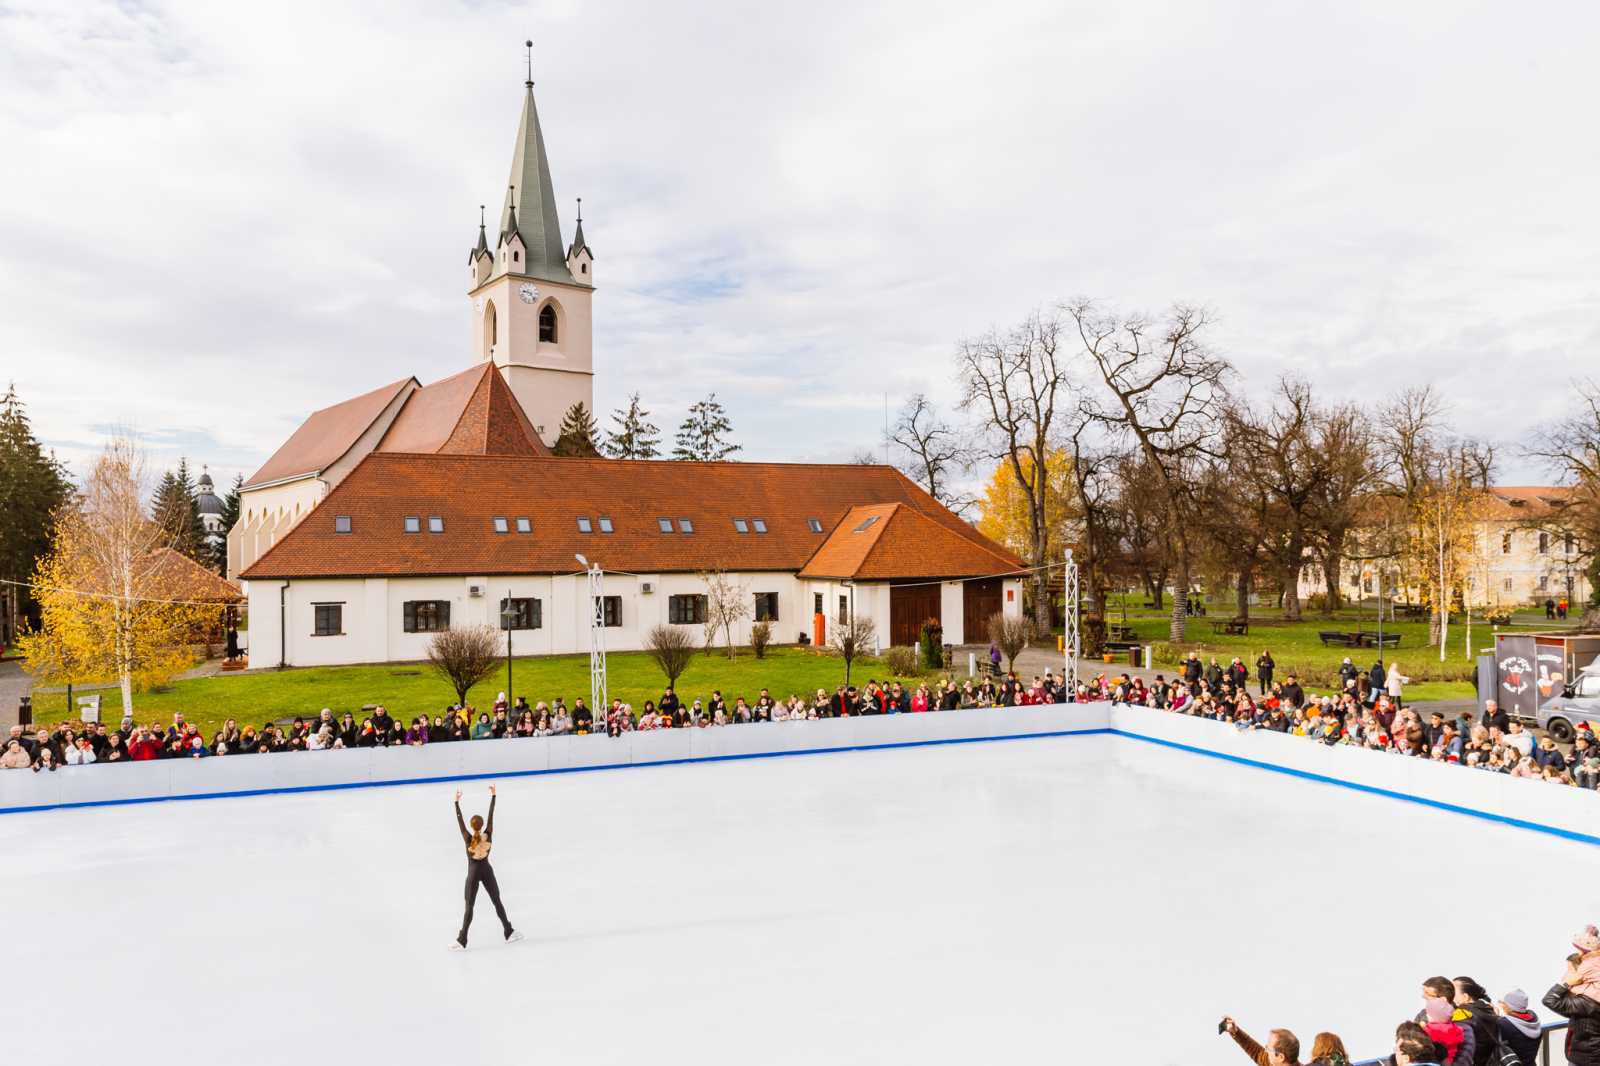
pixel 1571 449
pixel 933 451
pixel 1011 634
pixel 1344 437
pixel 852 638
pixel 1015 381
pixel 464 655
pixel 1164 392
pixel 672 648
pixel 727 602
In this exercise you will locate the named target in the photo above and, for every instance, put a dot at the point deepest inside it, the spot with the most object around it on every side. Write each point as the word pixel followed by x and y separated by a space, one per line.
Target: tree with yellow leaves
pixel 110 609
pixel 1006 511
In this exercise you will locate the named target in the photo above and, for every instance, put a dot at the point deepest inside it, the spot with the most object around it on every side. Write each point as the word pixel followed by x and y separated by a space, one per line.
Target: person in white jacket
pixel 1394 682
pixel 79 754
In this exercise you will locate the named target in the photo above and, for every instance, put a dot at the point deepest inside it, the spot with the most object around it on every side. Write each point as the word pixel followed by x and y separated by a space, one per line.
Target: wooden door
pixel 909 607
pixel 980 601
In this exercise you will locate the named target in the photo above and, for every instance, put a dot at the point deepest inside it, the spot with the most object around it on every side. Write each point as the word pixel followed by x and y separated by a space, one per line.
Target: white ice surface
pixel 1089 899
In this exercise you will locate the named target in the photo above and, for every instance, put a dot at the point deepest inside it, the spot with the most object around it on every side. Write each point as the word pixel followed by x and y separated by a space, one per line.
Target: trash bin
pixel 1135 656
pixel 25 710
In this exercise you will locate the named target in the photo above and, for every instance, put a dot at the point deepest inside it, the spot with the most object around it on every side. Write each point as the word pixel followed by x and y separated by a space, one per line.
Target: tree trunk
pixel 1289 581
pixel 1332 564
pixel 1180 604
pixel 1041 598
pixel 1160 589
pixel 1242 594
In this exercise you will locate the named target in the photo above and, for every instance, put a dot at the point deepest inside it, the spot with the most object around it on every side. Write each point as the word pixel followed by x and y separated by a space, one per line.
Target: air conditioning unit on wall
pixel 474 590
pixel 647 587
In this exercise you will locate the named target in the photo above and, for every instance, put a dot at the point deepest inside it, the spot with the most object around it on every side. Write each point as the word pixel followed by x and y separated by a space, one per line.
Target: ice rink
pixel 1071 900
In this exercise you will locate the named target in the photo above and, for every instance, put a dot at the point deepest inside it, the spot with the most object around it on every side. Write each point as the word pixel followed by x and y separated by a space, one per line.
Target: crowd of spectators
pixel 1459 1024
pixel 1363 714
pixel 77 743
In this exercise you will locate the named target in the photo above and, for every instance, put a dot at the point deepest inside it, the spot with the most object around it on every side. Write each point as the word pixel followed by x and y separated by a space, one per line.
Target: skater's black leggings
pixel 479 872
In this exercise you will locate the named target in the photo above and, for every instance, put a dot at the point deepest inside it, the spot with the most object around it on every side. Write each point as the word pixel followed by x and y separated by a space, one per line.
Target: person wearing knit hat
pixel 1582 1044
pixel 1588 944
pixel 1519 1026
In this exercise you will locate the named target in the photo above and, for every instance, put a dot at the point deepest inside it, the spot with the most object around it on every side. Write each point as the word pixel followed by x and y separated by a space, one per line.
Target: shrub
pixel 1092 631
pixel 671 647
pixel 760 637
pixel 932 645
pixel 1010 633
pixel 901 661
pixel 463 656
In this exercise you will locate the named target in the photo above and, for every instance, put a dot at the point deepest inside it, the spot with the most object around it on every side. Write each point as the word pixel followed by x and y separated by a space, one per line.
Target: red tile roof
pixel 179 577
pixel 326 435
pixel 888 541
pixel 469 491
pixel 473 412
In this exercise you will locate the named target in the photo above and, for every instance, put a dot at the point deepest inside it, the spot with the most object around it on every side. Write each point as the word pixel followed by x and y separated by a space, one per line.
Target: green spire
pixel 530 206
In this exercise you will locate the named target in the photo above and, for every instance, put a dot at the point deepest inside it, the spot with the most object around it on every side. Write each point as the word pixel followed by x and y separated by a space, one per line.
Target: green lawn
pixel 409 689
pixel 1296 647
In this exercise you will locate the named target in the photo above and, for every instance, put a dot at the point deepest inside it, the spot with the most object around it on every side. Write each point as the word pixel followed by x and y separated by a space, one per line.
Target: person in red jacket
pixel 143 747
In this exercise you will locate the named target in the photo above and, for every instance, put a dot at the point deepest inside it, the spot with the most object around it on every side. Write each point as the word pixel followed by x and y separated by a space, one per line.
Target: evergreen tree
pixel 230 518
pixel 33 484
pixel 578 434
pixel 703 435
pixel 175 511
pixel 634 437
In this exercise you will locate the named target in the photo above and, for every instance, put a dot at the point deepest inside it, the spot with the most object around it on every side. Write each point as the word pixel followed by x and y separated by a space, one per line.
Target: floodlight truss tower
pixel 1072 645
pixel 599 700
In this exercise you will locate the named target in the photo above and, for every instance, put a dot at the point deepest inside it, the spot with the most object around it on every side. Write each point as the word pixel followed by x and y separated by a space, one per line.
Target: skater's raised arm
pixel 466 837
pixel 488 830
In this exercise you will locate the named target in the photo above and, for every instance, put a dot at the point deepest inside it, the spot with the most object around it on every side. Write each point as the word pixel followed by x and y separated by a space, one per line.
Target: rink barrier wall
pixel 1570 813
pixel 1533 805
pixel 318 771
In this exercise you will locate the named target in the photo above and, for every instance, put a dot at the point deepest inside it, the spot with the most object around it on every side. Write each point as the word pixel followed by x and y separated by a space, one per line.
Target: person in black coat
pixel 1264 668
pixel 1583 1035
pixel 1379 679
pixel 1192 670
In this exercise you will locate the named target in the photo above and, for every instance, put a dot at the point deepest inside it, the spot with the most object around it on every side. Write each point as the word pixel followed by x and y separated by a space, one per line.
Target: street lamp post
pixel 508 619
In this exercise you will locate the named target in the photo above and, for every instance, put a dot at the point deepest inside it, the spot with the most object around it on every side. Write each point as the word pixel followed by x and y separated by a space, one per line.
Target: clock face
pixel 528 294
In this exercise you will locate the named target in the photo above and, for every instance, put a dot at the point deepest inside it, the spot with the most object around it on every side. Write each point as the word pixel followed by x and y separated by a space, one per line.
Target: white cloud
pixel 214 218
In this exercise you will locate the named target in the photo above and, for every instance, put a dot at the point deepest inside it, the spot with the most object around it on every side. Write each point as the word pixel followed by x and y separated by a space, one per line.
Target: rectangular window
pixel 815 524
pixel 605 525
pixel 584 526
pixel 329 619
pixel 1506 584
pixel 741 525
pixel 685 526
pixel 816 599
pixel 686 610
pixel 864 526
pixel 1505 544
pixel 523 613
pixel 759 524
pixel 426 616
pixel 1544 544
pixel 844 610
pixel 524 525
pixel 611 611
pixel 413 524
pixel 1544 582
pixel 766 607
pixel 341 523
pixel 502 526
pixel 664 524
pixel 435 524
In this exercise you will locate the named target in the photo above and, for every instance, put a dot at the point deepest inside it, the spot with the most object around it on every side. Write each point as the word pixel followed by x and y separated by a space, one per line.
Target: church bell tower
pixel 531 312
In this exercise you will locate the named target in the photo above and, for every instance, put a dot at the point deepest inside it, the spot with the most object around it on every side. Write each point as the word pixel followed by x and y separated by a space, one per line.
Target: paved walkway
pixel 14 684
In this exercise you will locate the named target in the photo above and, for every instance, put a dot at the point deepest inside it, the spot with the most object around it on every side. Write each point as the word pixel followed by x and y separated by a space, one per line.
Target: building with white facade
pixel 410 509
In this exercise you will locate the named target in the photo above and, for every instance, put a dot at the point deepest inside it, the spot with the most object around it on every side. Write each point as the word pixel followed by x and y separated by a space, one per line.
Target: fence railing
pixel 1544 1045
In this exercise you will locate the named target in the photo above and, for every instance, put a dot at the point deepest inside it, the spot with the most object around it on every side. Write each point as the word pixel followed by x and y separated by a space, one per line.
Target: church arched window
pixel 490 329
pixel 547 325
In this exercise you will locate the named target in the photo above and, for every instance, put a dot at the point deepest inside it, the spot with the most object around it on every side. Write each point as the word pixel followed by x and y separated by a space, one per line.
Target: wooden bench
pixel 1120 645
pixel 1372 640
pixel 1235 626
pixel 1339 637
pixel 1411 610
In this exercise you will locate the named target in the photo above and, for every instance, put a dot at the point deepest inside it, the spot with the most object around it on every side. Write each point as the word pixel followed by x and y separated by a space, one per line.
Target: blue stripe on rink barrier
pixel 1537 827
pixel 340 786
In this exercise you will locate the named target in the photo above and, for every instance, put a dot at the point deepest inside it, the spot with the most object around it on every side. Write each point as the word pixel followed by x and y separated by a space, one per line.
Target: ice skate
pixel 513 936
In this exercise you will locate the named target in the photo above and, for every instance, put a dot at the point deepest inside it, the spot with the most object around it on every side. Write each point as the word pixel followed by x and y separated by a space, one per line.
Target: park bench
pixel 1411 610
pixel 1119 645
pixel 1235 626
pixel 1339 637
pixel 1388 640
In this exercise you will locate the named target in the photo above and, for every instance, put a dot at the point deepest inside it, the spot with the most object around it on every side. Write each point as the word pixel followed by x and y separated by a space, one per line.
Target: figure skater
pixel 479 872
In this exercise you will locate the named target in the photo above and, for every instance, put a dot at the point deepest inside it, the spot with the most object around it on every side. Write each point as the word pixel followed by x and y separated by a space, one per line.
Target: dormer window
pixel 524 525
pixel 815 524
pixel 413 524
pixel 435 524
pixel 585 526
pixel 501 526
pixel 605 525
pixel 665 524
pixel 864 526
pixel 759 524
pixel 547 325
pixel 516 257
pixel 741 525
pixel 341 523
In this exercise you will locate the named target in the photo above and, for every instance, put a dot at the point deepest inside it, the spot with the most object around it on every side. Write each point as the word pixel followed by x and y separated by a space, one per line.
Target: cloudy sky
pixel 216 217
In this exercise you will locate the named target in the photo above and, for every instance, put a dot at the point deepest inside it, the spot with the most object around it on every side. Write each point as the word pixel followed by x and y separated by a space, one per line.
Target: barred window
pixel 686 610
pixel 426 616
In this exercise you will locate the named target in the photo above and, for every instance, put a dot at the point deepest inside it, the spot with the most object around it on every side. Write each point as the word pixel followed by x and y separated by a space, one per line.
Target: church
pixel 413 508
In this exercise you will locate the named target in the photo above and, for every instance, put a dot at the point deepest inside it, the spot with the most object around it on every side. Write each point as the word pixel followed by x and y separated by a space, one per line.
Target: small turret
pixel 580 259
pixel 480 261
